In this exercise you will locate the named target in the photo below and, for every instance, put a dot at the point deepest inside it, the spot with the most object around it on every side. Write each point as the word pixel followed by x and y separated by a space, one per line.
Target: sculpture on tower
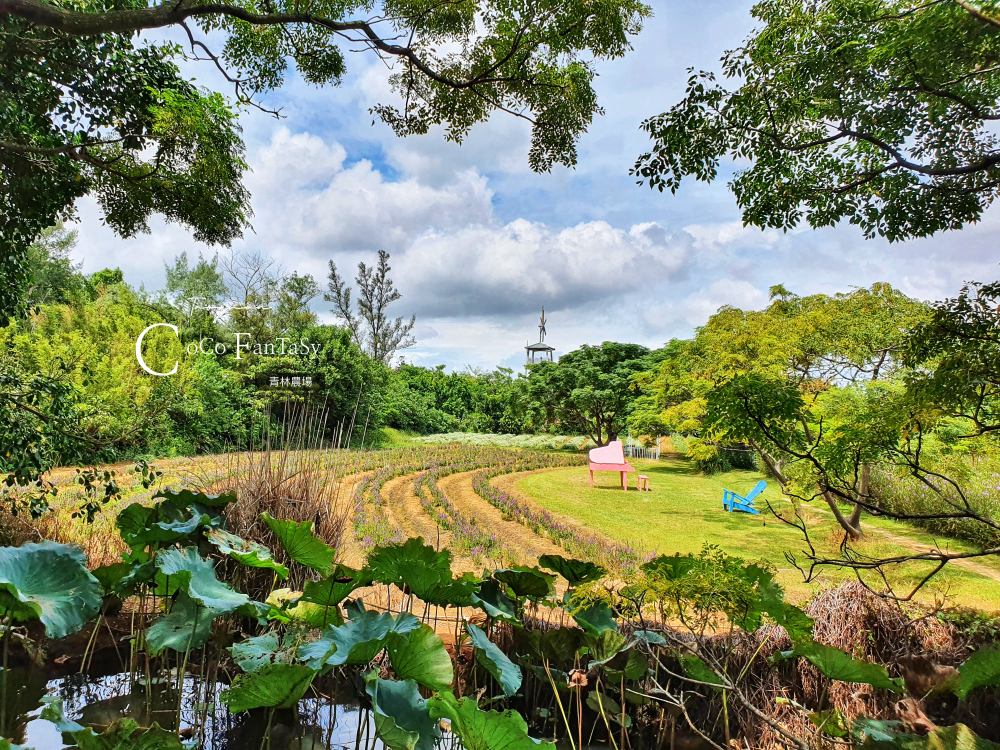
pixel 540 352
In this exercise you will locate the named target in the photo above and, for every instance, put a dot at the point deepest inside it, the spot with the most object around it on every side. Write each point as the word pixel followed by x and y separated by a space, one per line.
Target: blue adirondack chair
pixel 731 501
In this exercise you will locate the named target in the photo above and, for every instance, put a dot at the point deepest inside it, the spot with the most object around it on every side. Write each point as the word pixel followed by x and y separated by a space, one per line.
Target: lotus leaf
pixel 494 602
pixel 402 719
pixel 556 646
pixel 483 730
pixel 698 670
pixel 574 571
pixel 188 625
pixel 387 564
pixel 111 576
pixel 595 619
pixel 419 655
pixel 526 582
pixel 188 497
pixel 980 669
pixel 300 544
pixel 251 554
pixel 357 641
pixel 839 665
pixel 336 587
pixel 270 686
pixel 126 734
pixel 48 582
pixel 871 734
pixel 53 711
pixel 253 653
pixel 196 576
pixel 606 646
pixel 435 586
pixel 506 672
pixel 651 637
pixel 607 707
pixel 170 520
pixel 286 605
pixel 671 567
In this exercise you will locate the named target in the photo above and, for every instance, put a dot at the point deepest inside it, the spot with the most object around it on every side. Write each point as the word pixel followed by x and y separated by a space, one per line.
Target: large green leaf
pixel 492 599
pixel 420 655
pixel 574 571
pixel 525 581
pixel 300 544
pixel 196 576
pixel 697 669
pixel 871 734
pixel 253 653
pixel 48 582
pixel 287 605
pixel 435 586
pixel 980 669
pixel 595 619
pixel 357 641
pixel 506 672
pixel 188 625
pixel 483 730
pixel 336 587
pixel 53 711
pixel 671 567
pixel 126 734
pixel 839 665
pixel 189 497
pixel 606 646
pixel 251 554
pixel 270 686
pixel 387 564
pixel 402 719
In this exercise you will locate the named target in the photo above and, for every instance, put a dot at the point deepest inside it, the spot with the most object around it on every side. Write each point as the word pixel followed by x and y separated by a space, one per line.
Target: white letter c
pixel 138 349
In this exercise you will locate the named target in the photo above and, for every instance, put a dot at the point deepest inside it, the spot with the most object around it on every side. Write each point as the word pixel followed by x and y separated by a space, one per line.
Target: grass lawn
pixel 684 512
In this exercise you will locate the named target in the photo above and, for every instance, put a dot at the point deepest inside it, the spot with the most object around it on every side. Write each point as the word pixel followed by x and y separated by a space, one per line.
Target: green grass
pixel 684 512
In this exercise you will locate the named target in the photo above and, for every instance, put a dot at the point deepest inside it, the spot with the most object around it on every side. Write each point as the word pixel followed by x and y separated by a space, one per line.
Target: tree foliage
pixel 588 391
pixel 87 109
pixel 875 112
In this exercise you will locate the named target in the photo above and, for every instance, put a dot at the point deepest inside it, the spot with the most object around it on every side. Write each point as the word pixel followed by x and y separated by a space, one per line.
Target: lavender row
pixel 466 535
pixel 613 555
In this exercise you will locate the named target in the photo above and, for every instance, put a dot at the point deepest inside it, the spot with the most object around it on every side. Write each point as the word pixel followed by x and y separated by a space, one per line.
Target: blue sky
pixel 479 243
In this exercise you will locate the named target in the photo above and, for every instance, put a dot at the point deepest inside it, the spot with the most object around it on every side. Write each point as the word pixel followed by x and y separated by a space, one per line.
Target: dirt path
pixel 526 544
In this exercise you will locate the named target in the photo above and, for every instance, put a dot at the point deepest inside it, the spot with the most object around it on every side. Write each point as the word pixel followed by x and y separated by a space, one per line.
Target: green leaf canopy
pixel 48 582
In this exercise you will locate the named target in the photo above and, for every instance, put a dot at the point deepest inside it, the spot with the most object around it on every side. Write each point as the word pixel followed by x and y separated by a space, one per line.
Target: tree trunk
pixel 852 525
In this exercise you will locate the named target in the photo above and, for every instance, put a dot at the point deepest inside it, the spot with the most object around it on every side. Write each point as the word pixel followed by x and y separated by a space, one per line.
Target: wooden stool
pixel 644 483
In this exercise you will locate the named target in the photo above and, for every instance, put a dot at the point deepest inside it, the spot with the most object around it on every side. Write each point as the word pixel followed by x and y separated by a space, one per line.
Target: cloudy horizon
pixel 479 243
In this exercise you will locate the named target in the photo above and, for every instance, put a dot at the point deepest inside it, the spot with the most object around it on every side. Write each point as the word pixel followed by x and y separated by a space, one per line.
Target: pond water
pixel 327 721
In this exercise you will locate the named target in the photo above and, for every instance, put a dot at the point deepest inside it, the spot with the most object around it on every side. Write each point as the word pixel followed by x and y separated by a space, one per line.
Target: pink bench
pixel 610 458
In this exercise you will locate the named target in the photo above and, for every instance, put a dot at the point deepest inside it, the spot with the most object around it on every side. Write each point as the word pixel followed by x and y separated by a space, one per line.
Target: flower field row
pixel 372 527
pixel 466 535
pixel 613 555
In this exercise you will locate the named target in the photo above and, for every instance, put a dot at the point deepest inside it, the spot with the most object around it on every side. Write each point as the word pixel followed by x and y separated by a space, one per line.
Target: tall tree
pixel 196 291
pixel 92 111
pixel 875 112
pixel 54 277
pixel 372 329
pixel 588 391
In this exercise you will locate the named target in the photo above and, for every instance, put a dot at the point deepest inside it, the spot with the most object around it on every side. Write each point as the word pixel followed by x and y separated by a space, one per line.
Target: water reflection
pixel 329 720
